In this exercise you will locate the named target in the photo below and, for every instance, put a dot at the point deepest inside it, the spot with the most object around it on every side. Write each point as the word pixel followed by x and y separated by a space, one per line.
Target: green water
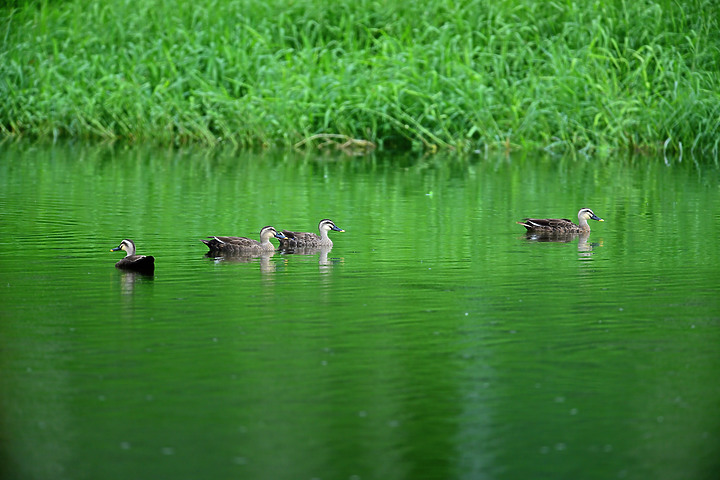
pixel 433 341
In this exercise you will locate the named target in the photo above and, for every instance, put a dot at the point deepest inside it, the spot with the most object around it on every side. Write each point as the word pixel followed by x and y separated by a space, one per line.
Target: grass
pixel 466 75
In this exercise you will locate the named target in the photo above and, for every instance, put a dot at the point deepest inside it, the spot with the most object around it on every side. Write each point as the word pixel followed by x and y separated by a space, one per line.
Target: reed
pixel 466 75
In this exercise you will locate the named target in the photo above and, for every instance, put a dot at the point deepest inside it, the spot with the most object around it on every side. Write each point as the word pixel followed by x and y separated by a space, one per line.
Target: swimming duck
pixel 307 239
pixel 561 225
pixel 139 263
pixel 237 245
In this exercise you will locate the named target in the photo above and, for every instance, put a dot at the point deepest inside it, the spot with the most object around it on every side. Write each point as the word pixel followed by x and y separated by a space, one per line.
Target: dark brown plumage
pixel 138 263
pixel 242 245
pixel 294 240
pixel 561 225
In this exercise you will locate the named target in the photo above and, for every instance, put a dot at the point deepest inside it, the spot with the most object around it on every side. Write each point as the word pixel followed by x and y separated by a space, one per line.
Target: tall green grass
pixel 467 75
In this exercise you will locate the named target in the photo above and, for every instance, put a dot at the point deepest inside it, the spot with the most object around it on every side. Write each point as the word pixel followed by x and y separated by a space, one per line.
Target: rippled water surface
pixel 435 340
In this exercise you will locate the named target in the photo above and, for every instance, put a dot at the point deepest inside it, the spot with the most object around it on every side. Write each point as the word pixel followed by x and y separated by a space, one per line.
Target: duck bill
pixel 280 236
pixel 116 249
pixel 595 217
pixel 337 229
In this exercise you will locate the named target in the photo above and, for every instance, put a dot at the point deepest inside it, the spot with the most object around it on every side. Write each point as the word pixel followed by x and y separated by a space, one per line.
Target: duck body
pixel 243 245
pixel 138 263
pixel 561 225
pixel 294 240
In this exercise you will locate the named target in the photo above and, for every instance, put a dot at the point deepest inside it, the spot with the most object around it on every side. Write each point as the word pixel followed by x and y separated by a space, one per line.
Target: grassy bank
pixel 585 75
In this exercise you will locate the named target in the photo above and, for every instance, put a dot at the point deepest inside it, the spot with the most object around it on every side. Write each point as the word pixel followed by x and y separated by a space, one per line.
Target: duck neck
pixel 265 243
pixel 583 223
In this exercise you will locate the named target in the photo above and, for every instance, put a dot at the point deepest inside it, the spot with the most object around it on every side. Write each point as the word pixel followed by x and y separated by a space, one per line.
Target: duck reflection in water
pixel 323 259
pixel 583 244
pixel 128 280
pixel 263 258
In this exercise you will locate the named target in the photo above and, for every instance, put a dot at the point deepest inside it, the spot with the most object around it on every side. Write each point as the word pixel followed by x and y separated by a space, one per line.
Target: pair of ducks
pixel 237 245
pixel 288 240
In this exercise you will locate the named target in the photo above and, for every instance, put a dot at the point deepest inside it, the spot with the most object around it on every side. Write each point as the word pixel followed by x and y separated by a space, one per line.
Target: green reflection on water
pixel 433 341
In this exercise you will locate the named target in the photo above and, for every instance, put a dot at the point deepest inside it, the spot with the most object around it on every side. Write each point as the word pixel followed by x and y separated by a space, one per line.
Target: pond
pixel 434 340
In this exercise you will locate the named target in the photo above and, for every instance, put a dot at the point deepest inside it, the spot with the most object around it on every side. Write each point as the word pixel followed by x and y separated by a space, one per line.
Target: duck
pixel 306 239
pixel 561 225
pixel 240 245
pixel 131 261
